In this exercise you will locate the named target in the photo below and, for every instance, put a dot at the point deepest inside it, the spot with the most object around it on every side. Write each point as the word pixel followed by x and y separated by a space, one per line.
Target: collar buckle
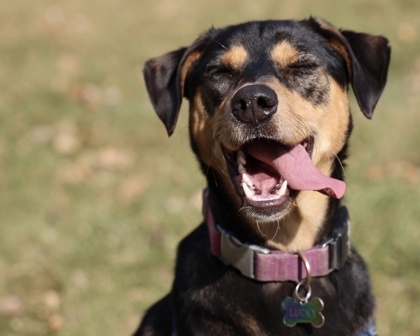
pixel 239 255
pixel 339 243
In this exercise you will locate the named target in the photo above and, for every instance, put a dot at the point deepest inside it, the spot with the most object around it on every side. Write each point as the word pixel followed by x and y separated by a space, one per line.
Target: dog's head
pixel 269 111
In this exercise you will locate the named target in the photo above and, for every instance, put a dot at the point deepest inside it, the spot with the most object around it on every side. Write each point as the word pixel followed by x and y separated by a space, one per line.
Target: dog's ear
pixel 162 83
pixel 367 57
pixel 165 78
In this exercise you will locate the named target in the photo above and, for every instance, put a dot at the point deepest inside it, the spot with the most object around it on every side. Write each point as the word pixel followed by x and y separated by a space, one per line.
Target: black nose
pixel 254 104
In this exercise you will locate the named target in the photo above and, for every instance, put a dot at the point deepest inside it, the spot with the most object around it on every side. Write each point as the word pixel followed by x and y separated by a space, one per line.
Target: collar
pixel 265 265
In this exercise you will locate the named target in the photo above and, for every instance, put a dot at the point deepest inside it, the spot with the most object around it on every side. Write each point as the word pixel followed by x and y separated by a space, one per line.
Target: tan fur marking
pixel 208 136
pixel 284 54
pixel 186 66
pixel 199 127
pixel 341 49
pixel 250 323
pixel 235 58
pixel 336 43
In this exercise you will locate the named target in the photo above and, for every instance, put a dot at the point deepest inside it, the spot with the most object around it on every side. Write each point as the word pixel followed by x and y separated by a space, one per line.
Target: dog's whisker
pixel 262 234
pixel 277 229
pixel 221 44
pixel 339 162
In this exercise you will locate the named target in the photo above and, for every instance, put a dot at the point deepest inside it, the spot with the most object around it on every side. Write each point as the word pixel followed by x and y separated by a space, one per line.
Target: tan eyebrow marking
pixel 235 58
pixel 284 54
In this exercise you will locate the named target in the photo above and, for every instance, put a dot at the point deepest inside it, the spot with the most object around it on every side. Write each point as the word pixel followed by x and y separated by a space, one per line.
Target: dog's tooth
pixel 247 180
pixel 241 169
pixel 247 190
pixel 240 159
pixel 282 190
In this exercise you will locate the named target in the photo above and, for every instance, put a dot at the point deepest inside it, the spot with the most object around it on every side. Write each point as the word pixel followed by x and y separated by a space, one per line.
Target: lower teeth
pixel 251 191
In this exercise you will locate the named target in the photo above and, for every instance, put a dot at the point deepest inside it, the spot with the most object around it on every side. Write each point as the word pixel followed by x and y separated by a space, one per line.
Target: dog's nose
pixel 254 104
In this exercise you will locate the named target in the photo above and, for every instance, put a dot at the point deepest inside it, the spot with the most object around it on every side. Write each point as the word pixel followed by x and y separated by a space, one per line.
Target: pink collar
pixel 265 265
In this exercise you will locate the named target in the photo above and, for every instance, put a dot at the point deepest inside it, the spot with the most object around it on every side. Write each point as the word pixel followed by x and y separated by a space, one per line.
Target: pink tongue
pixel 295 166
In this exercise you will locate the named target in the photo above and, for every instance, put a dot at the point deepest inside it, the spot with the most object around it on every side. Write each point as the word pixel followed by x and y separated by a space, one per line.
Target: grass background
pixel 94 196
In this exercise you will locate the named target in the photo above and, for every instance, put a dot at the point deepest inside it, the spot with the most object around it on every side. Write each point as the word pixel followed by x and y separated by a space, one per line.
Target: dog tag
pixel 303 309
pixel 303 312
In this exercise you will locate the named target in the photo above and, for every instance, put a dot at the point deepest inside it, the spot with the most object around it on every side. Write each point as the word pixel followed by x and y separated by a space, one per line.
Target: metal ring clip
pixel 305 282
pixel 303 299
pixel 307 268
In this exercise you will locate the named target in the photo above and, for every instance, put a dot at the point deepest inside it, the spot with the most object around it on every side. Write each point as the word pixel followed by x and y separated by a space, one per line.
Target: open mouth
pixel 269 174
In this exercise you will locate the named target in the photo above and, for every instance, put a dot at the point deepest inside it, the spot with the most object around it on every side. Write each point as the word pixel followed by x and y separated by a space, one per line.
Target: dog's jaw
pixel 286 218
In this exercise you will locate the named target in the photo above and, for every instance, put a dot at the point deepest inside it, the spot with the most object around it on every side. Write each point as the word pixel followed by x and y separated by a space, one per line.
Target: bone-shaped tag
pixel 298 312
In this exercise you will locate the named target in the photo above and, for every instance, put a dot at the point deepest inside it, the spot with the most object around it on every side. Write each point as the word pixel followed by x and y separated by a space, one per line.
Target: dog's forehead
pixel 279 40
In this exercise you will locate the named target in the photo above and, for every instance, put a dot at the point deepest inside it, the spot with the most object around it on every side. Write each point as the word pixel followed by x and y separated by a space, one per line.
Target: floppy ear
pixel 163 86
pixel 165 78
pixel 367 57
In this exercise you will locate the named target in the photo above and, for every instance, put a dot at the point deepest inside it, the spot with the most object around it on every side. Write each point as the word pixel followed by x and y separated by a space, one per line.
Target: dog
pixel 269 122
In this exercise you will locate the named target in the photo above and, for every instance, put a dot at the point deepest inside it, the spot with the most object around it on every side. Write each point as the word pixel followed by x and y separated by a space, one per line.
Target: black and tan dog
pixel 269 124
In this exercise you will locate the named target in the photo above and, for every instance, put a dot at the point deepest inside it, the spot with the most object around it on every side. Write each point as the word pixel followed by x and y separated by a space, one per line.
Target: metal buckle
pixel 339 244
pixel 239 255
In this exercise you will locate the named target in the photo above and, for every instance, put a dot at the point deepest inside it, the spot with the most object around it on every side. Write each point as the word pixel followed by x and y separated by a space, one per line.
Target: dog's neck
pixel 303 227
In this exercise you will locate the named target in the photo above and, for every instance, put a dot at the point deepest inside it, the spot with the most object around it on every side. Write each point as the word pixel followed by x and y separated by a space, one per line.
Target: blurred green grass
pixel 94 197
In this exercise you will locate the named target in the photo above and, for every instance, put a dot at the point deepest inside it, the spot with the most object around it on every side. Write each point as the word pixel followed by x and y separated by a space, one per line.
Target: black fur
pixel 208 298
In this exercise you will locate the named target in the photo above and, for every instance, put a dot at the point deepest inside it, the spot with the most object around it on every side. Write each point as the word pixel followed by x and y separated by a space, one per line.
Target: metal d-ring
pixel 307 268
pixel 303 299
pixel 306 282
